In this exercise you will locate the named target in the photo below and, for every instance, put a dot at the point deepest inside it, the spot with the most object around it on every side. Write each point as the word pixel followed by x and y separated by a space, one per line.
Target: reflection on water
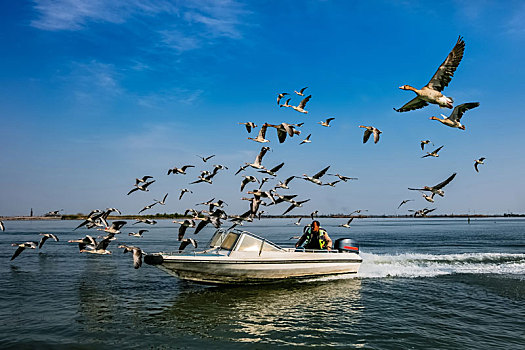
pixel 286 313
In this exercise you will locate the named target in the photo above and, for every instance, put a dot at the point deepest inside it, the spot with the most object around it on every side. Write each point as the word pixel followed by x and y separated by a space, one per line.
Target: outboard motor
pixel 346 245
pixel 153 259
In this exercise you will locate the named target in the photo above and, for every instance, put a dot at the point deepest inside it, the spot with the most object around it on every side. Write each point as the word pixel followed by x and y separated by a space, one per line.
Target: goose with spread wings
pixel 315 178
pixel 369 130
pixel 302 105
pixel 261 136
pixel 45 237
pixel 431 93
pixel 22 247
pixel 434 153
pixel 478 162
pixel 437 189
pixel 137 254
pixel 454 119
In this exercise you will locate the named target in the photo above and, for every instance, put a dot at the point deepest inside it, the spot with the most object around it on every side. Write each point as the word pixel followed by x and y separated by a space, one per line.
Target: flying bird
pixel 423 143
pixel 369 131
pixel 431 93
pixel 295 205
pixel 45 237
pixel 261 136
pixel 143 179
pixel 437 189
pixel 281 95
pixel 181 170
pixel 273 170
pixel 428 198
pixel 422 212
pixel 248 178
pixel 184 226
pixel 306 140
pixel 404 202
pixel 141 187
pixel 147 207
pixel 454 119
pixel 284 184
pixel 301 92
pixel 186 242
pixel 115 227
pixel 205 159
pixel 23 246
pixel 137 234
pixel 477 162
pixel 314 213
pixel 145 221
pixel 344 178
pixel 298 222
pixel 257 162
pixel 182 191
pixel 301 106
pixel 283 130
pixel 137 254
pixel 2 226
pixel 316 177
pixel 332 184
pixel 163 201
pixel 434 153
pixel 326 122
pixel 347 223
pixel 84 242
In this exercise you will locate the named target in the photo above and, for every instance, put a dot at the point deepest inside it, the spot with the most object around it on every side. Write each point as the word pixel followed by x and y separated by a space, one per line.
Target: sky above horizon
pixel 97 93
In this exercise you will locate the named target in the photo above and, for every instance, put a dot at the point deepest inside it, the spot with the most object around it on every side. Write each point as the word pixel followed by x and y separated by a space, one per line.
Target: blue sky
pixel 96 93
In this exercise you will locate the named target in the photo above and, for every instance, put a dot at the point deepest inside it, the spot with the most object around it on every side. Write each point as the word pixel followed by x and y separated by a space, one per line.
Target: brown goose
pixel 261 137
pixel 326 122
pixel 45 237
pixel 281 95
pixel 477 162
pixel 434 153
pixel 425 142
pixel 437 189
pixel 431 93
pixel 23 246
pixel 369 131
pixel 137 254
pixel 301 92
pixel 455 116
pixel 301 106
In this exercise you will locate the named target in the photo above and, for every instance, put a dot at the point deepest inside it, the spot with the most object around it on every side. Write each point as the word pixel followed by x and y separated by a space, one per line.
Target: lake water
pixel 423 284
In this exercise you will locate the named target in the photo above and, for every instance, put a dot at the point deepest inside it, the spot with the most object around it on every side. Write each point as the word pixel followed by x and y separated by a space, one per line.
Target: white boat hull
pixel 263 269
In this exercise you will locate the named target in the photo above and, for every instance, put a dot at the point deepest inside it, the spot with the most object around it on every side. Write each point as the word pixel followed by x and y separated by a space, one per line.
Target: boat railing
pixel 304 250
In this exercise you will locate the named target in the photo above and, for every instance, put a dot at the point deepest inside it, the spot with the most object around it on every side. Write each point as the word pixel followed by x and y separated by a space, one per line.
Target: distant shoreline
pixel 178 216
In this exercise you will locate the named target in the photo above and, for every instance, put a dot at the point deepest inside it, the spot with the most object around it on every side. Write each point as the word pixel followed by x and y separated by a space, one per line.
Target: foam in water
pixel 430 265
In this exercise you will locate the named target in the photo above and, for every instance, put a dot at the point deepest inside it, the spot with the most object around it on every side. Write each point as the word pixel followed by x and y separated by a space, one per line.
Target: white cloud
pixel 94 77
pixel 179 95
pixel 185 23
pixel 76 14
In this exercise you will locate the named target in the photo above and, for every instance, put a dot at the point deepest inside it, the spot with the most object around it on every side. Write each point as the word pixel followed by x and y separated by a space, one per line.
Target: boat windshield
pixel 254 244
pixel 229 241
pixel 218 238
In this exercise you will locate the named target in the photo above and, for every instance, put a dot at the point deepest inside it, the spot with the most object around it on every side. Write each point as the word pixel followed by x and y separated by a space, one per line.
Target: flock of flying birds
pixel 266 195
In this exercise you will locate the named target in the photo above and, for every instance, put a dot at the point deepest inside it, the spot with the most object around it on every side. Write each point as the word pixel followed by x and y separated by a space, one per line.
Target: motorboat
pixel 241 257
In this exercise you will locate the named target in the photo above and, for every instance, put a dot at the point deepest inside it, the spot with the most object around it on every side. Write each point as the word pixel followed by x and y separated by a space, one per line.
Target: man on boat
pixel 315 236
